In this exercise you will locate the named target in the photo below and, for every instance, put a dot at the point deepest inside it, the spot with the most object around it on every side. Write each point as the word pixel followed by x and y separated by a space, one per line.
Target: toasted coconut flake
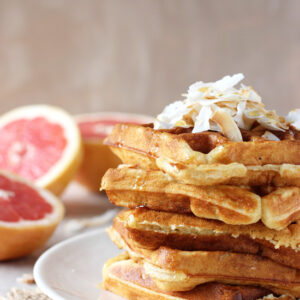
pixel 228 82
pixel 270 136
pixel 269 124
pixel 228 126
pixel 293 118
pixel 241 119
pixel 242 105
pixel 202 122
pixel 172 114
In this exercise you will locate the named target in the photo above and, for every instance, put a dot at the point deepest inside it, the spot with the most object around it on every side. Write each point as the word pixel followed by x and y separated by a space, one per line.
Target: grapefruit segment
pixel 20 202
pixel 100 129
pixel 41 143
pixel 98 157
pixel 28 216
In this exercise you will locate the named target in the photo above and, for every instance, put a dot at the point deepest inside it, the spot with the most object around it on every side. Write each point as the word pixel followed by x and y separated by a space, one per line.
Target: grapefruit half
pixel 98 158
pixel 28 216
pixel 40 143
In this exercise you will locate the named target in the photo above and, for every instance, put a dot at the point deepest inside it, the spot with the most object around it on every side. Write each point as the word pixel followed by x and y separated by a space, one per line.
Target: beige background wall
pixel 138 55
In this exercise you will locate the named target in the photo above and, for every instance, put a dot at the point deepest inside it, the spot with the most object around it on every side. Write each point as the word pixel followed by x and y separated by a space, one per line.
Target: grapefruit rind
pixel 18 239
pixel 98 157
pixel 58 176
pixel 115 116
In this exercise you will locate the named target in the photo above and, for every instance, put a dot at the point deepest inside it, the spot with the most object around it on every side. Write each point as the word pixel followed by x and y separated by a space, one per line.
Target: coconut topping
pixel 294 118
pixel 219 106
pixel 270 136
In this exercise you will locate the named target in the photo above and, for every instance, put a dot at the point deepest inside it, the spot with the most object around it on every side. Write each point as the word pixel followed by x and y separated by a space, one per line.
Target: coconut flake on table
pixel 242 108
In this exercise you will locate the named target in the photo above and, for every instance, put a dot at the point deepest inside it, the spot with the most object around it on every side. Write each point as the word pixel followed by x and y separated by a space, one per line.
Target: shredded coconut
pixel 22 294
pixel 243 106
pixel 294 118
pixel 270 136
pixel 26 278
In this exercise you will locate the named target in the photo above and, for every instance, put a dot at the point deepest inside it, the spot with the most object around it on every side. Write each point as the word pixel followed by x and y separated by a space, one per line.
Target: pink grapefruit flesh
pixel 19 201
pixel 41 143
pixel 28 216
pixel 30 147
pixel 99 129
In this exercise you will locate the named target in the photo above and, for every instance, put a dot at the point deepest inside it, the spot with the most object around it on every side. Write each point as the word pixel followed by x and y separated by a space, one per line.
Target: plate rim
pixel 40 282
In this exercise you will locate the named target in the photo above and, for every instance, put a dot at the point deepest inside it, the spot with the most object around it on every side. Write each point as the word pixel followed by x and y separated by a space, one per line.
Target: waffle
pixel 281 207
pixel 171 281
pixel 132 187
pixel 232 174
pixel 182 146
pixel 151 230
pixel 127 278
pixel 213 174
pixel 177 270
pixel 194 158
pixel 213 196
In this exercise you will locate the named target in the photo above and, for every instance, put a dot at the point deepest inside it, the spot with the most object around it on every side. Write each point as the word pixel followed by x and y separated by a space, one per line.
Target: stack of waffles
pixel 213 210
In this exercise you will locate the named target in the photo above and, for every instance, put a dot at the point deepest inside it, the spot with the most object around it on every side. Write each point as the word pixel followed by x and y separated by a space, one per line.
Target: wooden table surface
pixel 79 203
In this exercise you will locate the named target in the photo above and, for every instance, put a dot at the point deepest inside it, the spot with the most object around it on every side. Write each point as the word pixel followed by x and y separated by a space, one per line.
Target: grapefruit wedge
pixel 40 143
pixel 28 216
pixel 98 158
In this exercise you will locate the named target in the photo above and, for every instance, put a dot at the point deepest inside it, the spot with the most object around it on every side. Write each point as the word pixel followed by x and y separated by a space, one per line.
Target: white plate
pixel 72 269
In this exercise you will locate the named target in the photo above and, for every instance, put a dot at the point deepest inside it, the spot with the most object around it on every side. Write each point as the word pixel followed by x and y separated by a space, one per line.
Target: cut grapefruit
pixel 41 143
pixel 98 157
pixel 28 216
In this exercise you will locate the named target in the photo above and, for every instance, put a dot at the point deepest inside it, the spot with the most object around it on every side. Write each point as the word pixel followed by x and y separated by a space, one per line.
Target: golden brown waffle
pixel 127 278
pixel 151 230
pixel 281 207
pixel 209 176
pixel 232 174
pixel 132 187
pixel 193 158
pixel 171 281
pixel 176 270
pixel 213 174
pixel 182 146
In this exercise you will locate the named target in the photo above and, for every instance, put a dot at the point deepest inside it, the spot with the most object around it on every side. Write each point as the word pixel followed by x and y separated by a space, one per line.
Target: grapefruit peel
pixel 60 173
pixel 98 158
pixel 18 239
